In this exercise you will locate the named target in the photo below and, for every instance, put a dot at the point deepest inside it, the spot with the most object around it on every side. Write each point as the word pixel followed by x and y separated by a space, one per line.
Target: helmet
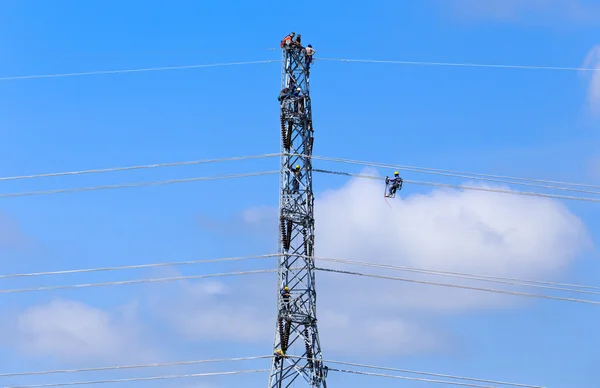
pixel 396 173
pixel 310 45
pixel 297 167
pixel 299 89
pixel 286 288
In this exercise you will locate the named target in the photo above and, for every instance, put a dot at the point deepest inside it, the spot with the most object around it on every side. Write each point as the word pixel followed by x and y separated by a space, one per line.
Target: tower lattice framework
pixel 297 318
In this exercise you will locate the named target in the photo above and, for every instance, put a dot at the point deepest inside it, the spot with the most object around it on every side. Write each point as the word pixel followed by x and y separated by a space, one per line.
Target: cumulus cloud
pixel 592 60
pixel 580 11
pixel 73 331
pixel 466 231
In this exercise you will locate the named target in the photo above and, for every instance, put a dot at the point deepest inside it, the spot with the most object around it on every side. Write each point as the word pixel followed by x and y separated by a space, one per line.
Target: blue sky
pixel 513 122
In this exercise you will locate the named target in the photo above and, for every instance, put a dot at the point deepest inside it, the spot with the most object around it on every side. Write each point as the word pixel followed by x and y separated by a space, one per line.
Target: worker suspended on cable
pixel 296 179
pixel 393 184
pixel 287 41
pixel 310 51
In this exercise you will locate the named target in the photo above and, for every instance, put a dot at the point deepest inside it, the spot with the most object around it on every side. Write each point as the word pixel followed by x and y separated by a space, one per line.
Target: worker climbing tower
pixel 296 329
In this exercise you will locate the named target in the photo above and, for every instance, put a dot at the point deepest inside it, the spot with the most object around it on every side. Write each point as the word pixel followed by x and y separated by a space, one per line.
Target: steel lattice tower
pixel 296 320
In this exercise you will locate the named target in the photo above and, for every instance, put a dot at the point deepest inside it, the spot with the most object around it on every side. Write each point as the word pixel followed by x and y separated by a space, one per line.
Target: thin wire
pixel 429 374
pixel 460 286
pixel 102 72
pixel 137 184
pixel 136 281
pixel 165 377
pixel 139 167
pixel 461 276
pixel 136 266
pixel 414 63
pixel 120 367
pixel 496 279
pixel 467 175
pixel 453 64
pixel 461 187
pixel 410 378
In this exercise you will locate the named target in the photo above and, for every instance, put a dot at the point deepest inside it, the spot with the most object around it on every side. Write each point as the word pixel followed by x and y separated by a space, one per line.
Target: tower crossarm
pixel 296 328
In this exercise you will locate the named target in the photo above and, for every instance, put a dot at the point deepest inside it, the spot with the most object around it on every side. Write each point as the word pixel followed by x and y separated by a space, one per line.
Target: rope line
pixel 143 70
pixel 540 296
pixel 461 187
pixel 137 184
pixel 140 366
pixel 165 377
pixel 139 167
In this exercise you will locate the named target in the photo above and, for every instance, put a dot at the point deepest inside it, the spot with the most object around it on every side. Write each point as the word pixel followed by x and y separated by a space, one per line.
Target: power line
pixel 142 70
pixel 137 184
pixel 473 176
pixel 437 170
pixel 461 187
pixel 165 377
pixel 408 378
pixel 136 266
pixel 460 286
pixel 138 167
pixel 431 374
pixel 184 67
pixel 135 281
pixel 464 276
pixel 196 362
pixel 458 64
pixel 494 279
pixel 140 366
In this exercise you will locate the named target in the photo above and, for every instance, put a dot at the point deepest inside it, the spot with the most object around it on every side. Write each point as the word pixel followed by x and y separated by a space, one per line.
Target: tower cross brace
pixel 296 318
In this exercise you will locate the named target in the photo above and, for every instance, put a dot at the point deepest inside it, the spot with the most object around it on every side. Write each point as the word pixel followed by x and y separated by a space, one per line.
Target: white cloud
pixel 579 11
pixel 470 231
pixel 73 331
pixel 592 60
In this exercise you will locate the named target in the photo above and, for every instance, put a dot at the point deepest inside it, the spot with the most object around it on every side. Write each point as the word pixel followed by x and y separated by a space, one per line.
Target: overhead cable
pixel 461 187
pixel 138 167
pixel 408 378
pixel 137 184
pixel 515 282
pixel 136 266
pixel 473 176
pixel 140 366
pixel 431 374
pixel 493 279
pixel 142 70
pixel 197 66
pixel 458 64
pixel 165 377
pixel 136 281
pixel 541 296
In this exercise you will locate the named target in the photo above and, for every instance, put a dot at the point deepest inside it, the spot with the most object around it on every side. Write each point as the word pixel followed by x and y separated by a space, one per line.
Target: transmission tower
pixel 296 319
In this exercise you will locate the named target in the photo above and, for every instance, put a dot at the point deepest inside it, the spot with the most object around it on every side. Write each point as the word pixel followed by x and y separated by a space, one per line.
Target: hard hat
pixel 299 89
pixel 310 45
pixel 286 288
pixel 396 173
pixel 298 167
